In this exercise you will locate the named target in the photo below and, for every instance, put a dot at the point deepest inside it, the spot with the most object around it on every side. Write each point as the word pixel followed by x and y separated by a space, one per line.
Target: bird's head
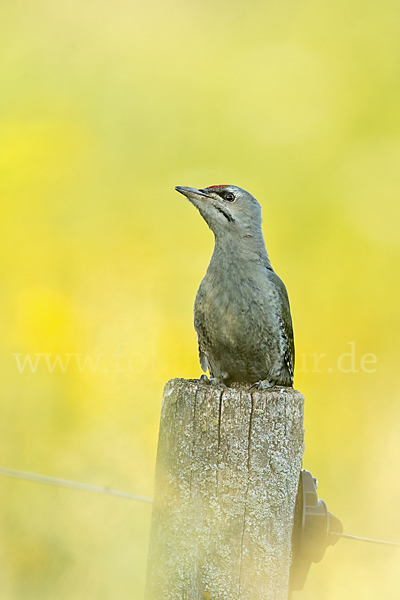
pixel 226 208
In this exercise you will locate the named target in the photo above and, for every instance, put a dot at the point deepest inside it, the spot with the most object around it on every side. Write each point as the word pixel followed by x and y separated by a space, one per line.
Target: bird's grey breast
pixel 235 312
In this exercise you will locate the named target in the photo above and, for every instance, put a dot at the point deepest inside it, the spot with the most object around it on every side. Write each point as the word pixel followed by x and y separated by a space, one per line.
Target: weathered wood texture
pixel 227 472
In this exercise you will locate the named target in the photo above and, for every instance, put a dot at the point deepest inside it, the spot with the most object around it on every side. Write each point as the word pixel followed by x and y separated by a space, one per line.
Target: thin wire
pixel 361 539
pixel 35 477
pixel 68 484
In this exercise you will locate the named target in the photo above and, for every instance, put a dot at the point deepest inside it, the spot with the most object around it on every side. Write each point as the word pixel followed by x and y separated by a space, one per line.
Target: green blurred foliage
pixel 104 107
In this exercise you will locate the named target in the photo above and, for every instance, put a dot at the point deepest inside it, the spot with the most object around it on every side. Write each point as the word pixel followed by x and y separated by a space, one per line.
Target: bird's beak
pixel 190 192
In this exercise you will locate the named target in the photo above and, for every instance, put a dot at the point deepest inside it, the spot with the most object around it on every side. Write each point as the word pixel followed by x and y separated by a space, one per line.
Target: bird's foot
pixel 262 385
pixel 212 381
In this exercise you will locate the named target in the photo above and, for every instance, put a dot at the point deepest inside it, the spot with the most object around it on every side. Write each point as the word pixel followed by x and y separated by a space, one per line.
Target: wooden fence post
pixel 227 472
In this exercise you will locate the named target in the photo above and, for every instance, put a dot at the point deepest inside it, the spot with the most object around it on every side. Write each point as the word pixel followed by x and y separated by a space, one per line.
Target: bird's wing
pixel 285 325
pixel 287 347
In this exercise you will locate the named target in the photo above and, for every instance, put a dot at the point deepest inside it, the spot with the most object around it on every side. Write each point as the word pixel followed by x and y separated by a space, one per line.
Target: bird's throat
pixel 232 251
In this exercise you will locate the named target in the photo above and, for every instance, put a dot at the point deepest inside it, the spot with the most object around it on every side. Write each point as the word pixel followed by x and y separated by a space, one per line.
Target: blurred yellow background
pixel 104 108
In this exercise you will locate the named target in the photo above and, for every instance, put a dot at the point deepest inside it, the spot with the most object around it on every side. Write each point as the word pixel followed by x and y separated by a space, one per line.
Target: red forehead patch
pixel 214 187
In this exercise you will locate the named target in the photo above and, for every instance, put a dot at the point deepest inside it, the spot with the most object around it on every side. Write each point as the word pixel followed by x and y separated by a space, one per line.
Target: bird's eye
pixel 230 197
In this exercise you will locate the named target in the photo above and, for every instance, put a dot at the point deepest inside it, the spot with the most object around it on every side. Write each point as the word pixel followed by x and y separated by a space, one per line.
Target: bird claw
pixel 262 385
pixel 216 381
pixel 212 381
